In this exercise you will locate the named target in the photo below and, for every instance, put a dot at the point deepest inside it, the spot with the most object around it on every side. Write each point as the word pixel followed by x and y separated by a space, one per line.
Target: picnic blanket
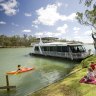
pixel 83 80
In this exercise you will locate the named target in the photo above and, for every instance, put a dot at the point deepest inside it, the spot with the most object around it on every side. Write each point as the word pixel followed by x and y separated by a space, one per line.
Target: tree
pixel 88 17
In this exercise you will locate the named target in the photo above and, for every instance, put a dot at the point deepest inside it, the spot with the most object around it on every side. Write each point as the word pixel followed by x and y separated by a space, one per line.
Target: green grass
pixel 70 86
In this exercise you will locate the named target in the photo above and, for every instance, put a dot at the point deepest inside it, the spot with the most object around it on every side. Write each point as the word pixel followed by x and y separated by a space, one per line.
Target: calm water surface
pixel 46 70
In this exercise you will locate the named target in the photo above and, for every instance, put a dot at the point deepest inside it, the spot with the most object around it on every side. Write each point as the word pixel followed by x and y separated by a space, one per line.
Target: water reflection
pixel 47 70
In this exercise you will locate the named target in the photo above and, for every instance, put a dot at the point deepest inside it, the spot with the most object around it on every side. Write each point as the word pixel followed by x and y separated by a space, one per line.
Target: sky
pixel 43 18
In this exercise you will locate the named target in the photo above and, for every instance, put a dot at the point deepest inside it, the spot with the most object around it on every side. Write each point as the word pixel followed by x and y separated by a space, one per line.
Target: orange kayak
pixel 20 71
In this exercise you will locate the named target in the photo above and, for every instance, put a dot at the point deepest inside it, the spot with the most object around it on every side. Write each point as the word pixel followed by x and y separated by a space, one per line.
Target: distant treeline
pixel 25 41
pixel 16 40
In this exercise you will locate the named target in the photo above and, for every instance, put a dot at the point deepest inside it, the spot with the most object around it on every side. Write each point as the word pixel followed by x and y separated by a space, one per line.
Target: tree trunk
pixel 94 38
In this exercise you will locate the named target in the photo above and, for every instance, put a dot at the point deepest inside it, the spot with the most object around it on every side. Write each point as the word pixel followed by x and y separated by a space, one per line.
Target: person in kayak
pixel 19 67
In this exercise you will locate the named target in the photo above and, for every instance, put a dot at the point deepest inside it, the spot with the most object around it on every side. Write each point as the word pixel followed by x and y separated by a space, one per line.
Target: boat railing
pixel 37 52
pixel 59 54
pixel 79 55
pixel 63 54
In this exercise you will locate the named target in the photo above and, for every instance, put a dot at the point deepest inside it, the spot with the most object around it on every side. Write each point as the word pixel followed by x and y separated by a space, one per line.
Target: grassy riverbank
pixel 70 86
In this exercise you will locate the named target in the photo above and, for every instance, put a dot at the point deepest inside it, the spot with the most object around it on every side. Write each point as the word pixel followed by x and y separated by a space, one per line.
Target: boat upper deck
pixel 58 44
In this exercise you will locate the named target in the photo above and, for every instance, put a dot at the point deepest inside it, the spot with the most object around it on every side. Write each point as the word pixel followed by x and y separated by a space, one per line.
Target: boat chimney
pixel 40 41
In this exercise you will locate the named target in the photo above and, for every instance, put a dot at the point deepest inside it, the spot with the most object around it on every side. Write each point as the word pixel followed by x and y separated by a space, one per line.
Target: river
pixel 47 70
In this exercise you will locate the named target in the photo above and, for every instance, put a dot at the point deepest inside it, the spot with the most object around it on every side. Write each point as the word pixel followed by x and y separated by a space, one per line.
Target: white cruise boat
pixel 60 49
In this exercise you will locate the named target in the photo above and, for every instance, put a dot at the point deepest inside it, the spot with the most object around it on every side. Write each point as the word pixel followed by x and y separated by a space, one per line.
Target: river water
pixel 47 70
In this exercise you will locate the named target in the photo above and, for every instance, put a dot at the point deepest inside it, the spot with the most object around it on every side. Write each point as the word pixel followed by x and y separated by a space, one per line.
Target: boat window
pixel 77 48
pixel 59 49
pixel 51 48
pixel 62 49
pixel 81 49
pixel 44 48
pixel 65 49
pixel 36 48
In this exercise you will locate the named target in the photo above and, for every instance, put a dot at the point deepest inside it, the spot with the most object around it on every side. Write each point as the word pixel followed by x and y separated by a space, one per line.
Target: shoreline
pixel 70 86
pixel 16 47
pixel 57 81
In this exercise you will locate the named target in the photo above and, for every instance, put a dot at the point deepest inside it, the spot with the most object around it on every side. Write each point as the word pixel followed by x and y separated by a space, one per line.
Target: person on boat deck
pixel 78 49
pixel 19 67
pixel 90 75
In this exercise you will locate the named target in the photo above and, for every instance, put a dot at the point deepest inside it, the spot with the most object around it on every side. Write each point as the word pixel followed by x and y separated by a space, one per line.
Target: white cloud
pixel 50 15
pixel 63 28
pixel 76 28
pixel 1 0
pixel 59 4
pixel 26 30
pixel 85 39
pixel 89 32
pixel 28 14
pixel 15 24
pixel 35 26
pixel 59 33
pixel 49 34
pixel 36 22
pixel 66 5
pixel 2 22
pixel 77 37
pixel 71 17
pixel 39 34
pixel 9 7
pixel 44 34
pixel 76 32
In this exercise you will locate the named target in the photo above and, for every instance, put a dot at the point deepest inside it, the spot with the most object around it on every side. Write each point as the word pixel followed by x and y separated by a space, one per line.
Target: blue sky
pixel 43 18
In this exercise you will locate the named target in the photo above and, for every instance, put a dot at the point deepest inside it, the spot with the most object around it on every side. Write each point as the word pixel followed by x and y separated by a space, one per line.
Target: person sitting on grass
pixel 90 75
pixel 92 65
pixel 94 71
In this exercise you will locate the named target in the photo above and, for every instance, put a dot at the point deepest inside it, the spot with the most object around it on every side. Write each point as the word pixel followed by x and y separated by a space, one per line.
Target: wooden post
pixel 7 82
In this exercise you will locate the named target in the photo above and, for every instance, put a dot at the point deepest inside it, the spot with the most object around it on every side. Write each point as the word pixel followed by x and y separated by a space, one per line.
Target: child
pixel 90 75
pixel 94 71
pixel 92 65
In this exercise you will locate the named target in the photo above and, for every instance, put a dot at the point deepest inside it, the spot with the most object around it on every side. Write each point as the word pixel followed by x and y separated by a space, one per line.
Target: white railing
pixel 58 54
pixel 79 55
pixel 63 54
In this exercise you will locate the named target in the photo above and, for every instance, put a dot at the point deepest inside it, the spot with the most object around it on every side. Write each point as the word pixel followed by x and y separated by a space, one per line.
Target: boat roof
pixel 57 44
